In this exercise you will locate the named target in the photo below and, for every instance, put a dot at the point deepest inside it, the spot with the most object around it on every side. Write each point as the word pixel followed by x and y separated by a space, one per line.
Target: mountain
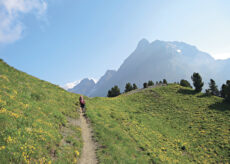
pixel 84 87
pixel 88 86
pixel 160 60
pixel 170 60
pixel 102 81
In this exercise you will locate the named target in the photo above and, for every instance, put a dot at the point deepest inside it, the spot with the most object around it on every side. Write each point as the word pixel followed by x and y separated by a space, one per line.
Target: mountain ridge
pixel 157 60
pixel 84 86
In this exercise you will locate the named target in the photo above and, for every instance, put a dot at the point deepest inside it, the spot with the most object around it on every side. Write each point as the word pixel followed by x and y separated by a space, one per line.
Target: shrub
pixel 185 83
pixel 208 92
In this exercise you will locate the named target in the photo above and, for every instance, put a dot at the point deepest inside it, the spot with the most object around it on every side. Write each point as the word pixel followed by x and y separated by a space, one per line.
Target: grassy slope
pixel 32 114
pixel 168 124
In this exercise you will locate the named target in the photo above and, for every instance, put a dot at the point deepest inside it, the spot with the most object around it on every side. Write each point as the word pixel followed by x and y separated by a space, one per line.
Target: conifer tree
pixel 109 94
pixel 227 97
pixel 134 86
pixel 225 91
pixel 115 91
pixel 150 83
pixel 213 88
pixel 165 81
pixel 128 87
pixel 197 82
pixel 145 85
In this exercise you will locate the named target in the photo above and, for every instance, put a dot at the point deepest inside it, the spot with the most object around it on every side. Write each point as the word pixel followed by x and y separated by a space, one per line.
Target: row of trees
pixel 115 91
pixel 212 90
pixel 197 83
pixel 151 83
pixel 130 87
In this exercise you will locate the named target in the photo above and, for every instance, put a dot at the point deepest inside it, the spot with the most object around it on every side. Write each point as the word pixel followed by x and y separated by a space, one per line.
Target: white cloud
pixel 11 28
pixel 70 85
pixel 221 55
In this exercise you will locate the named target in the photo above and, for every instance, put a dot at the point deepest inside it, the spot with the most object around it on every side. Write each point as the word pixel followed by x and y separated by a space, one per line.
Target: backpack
pixel 82 101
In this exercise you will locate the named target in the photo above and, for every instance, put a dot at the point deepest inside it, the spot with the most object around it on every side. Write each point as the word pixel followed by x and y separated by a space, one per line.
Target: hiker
pixel 82 103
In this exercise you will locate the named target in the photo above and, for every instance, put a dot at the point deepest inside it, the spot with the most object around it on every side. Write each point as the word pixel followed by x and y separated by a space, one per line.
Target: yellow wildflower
pixel 3 110
pixel 77 153
pixel 2 147
pixel 14 114
pixel 75 160
pixel 4 77
pixel 9 139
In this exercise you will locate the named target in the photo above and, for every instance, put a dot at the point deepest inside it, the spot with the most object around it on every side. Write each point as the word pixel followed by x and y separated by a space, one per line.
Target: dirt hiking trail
pixel 88 155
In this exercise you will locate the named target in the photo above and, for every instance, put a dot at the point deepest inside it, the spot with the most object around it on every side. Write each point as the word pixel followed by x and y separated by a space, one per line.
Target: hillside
pixel 169 124
pixel 34 116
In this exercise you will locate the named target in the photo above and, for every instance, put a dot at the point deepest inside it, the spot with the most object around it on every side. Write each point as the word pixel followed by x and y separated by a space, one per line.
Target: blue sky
pixel 63 41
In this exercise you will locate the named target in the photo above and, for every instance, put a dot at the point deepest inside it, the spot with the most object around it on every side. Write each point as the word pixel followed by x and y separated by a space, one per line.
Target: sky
pixel 64 41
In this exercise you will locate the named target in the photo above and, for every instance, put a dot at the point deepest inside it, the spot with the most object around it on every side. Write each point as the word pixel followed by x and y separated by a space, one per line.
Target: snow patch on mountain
pixel 70 85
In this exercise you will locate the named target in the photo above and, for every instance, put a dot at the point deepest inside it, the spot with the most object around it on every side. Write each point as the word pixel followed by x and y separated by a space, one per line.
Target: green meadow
pixel 168 124
pixel 34 125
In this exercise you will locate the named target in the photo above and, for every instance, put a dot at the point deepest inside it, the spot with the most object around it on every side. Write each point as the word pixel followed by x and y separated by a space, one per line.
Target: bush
pixel 115 91
pixel 185 83
pixel 197 82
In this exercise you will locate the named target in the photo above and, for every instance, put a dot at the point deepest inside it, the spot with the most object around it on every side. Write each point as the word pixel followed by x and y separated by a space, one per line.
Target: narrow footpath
pixel 88 155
